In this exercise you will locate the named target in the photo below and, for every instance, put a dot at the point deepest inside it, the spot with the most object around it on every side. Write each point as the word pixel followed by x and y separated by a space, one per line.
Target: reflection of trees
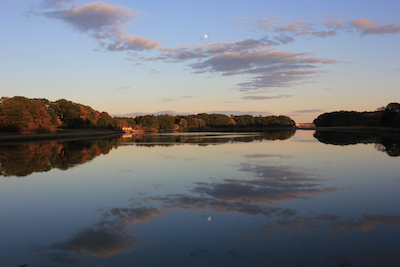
pixel 389 145
pixel 25 159
pixel 207 138
pixel 22 160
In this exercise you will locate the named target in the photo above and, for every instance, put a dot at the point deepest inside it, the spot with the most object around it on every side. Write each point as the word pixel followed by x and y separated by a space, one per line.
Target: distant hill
pixel 172 112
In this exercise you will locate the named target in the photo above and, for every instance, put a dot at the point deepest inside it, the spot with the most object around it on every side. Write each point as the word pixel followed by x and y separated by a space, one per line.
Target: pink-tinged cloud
pixel 299 27
pixel 362 25
pixel 330 27
pixel 104 22
pixel 366 26
pixel 137 43
pixel 256 57
pixel 96 16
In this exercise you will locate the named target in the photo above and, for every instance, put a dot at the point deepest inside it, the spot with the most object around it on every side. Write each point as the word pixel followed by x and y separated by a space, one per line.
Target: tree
pixel 390 115
pixel 20 114
pixel 166 122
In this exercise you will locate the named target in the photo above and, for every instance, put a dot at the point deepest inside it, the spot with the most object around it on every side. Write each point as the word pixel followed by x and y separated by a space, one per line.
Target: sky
pixel 294 58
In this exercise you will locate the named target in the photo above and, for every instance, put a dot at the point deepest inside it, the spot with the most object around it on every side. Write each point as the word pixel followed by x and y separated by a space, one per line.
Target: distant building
pixel 127 129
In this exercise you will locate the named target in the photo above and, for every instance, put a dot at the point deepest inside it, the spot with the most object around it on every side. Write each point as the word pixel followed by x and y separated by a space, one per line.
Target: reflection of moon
pixel 205 36
pixel 209 219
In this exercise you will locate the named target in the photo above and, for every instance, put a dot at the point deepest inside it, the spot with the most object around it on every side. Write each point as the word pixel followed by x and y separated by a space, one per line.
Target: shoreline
pixel 84 134
pixel 60 135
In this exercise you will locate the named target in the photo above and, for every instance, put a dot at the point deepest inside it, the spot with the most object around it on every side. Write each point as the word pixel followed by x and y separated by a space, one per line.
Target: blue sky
pixel 294 58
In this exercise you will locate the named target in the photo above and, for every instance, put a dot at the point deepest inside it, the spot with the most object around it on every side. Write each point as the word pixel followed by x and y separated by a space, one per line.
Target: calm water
pixel 202 199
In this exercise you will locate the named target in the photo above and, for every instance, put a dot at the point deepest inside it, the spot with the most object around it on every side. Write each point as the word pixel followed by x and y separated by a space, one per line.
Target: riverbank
pixel 84 134
pixel 59 135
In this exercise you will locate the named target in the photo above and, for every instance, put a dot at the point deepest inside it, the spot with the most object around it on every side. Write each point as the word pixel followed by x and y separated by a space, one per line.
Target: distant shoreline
pixel 60 135
pixel 84 134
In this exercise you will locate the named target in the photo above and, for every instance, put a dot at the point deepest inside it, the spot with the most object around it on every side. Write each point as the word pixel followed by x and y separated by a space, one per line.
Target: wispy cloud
pixel 257 156
pixel 269 67
pixel 258 58
pixel 168 99
pixel 256 97
pixel 175 99
pixel 298 27
pixel 330 27
pixel 362 25
pixel 154 71
pixel 156 186
pixel 53 4
pixel 308 111
pixel 283 39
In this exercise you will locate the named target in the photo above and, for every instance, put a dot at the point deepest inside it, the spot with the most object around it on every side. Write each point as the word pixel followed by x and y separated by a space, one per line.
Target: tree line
pixel 388 116
pixel 21 114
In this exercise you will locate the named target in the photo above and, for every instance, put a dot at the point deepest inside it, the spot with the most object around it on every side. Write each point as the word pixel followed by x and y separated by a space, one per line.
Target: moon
pixel 205 36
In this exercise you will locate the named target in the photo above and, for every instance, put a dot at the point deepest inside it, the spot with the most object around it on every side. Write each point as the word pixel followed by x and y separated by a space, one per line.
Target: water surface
pixel 202 199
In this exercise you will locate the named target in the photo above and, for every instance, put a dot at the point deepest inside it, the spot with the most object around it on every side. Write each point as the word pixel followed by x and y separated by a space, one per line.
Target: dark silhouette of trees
pixel 391 115
pixel 260 121
pixel 348 118
pixel 388 116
